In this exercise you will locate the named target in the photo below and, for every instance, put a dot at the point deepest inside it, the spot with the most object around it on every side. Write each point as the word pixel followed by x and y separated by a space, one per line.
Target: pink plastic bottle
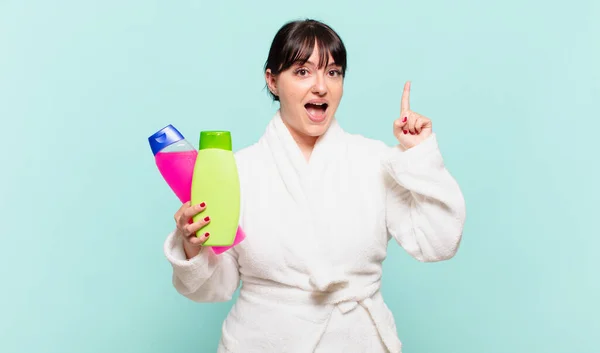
pixel 175 158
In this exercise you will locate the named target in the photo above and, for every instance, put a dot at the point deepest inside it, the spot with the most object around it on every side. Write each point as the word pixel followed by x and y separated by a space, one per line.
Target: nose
pixel 320 86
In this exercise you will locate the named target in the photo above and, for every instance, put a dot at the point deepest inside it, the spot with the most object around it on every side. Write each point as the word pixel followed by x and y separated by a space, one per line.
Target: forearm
pixel 205 277
pixel 425 206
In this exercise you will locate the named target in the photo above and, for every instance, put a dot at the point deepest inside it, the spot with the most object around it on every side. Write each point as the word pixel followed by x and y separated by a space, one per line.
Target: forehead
pixel 316 58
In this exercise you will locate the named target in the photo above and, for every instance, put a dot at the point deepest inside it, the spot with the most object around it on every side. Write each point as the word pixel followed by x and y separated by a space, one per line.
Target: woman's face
pixel 308 96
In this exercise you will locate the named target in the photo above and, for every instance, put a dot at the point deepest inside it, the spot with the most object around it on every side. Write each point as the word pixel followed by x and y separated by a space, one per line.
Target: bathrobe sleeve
pixel 206 277
pixel 425 208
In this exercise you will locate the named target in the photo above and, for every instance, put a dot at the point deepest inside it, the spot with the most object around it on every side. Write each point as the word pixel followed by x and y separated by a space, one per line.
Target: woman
pixel 319 206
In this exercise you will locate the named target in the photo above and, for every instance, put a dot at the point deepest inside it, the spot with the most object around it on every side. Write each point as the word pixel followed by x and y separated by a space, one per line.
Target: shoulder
pixel 248 153
pixel 252 158
pixel 369 147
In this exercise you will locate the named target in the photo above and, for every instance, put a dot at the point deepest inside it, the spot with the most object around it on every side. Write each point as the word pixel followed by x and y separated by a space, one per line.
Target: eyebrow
pixel 331 63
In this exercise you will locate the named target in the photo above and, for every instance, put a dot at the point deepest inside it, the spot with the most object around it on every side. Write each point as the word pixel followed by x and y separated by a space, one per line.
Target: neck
pixel 305 142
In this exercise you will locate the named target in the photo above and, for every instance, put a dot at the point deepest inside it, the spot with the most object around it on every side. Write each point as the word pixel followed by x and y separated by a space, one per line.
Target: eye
pixel 302 72
pixel 335 73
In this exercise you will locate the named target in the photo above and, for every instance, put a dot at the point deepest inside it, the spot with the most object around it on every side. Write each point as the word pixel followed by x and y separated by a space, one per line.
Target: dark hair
pixel 295 41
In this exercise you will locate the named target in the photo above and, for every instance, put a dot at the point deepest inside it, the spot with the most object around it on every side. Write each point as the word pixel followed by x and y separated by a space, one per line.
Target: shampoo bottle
pixel 216 181
pixel 175 158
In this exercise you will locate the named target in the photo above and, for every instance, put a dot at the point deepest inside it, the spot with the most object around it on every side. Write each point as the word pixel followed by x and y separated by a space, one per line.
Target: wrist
pixel 190 250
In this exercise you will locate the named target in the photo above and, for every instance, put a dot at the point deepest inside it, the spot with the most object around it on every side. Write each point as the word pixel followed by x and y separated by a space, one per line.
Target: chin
pixel 316 129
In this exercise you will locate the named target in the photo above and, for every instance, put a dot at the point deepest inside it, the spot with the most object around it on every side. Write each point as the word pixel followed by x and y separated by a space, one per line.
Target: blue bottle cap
pixel 163 138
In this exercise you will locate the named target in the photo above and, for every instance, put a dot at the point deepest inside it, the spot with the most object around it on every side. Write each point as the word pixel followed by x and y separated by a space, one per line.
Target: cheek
pixel 337 91
pixel 293 92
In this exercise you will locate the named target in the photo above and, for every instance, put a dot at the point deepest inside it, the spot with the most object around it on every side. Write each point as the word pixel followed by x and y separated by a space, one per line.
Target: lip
pixel 313 118
pixel 316 101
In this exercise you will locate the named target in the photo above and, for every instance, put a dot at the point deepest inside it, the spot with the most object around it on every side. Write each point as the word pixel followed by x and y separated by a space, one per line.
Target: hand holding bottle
pixel 187 229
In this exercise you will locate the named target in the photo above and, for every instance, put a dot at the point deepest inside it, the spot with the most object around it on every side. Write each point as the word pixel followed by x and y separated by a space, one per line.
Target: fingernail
pixel 404 120
pixel 206 234
pixel 412 133
pixel 206 219
pixel 202 204
pixel 405 132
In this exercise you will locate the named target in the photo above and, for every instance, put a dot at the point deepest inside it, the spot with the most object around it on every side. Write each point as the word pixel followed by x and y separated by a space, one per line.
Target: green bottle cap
pixel 215 139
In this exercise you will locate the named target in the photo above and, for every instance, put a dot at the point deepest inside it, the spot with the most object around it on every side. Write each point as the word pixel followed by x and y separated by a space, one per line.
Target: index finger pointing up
pixel 405 105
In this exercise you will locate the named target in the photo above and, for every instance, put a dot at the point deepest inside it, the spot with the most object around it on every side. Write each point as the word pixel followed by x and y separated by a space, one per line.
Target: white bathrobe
pixel 317 233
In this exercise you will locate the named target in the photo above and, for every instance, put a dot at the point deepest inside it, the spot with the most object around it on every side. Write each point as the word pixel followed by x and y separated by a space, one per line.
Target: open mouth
pixel 316 111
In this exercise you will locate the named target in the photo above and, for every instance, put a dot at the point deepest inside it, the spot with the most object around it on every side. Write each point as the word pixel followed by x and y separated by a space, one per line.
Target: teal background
pixel 512 88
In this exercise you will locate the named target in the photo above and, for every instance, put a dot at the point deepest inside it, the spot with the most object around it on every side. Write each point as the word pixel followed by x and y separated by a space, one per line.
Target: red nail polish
pixel 202 204
pixel 206 234
pixel 206 219
pixel 405 132
pixel 404 120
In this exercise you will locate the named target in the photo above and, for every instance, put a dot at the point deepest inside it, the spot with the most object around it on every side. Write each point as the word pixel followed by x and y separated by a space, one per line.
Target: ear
pixel 271 81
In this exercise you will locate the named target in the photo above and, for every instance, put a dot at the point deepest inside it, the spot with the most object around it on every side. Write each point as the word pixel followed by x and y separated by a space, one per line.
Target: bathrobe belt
pixel 345 297
pixel 369 297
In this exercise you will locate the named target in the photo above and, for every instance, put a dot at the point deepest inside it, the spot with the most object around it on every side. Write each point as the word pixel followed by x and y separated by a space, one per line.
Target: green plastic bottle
pixel 216 182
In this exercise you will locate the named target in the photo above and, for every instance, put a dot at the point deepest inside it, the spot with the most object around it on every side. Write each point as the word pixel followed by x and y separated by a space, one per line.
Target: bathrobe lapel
pixel 319 188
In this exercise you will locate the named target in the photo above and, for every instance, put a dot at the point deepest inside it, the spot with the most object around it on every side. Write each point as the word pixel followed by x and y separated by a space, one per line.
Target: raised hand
pixel 410 128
